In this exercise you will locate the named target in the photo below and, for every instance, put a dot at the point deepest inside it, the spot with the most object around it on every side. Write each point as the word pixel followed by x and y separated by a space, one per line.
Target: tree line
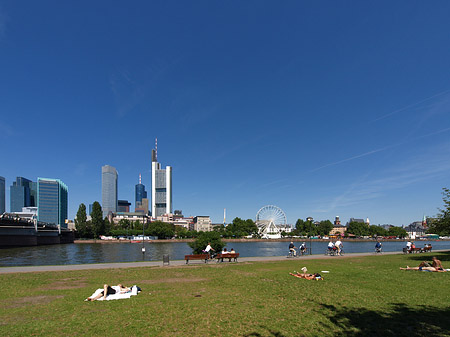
pixel 239 228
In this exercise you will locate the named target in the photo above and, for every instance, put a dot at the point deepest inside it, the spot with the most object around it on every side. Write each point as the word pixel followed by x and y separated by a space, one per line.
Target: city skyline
pixel 321 109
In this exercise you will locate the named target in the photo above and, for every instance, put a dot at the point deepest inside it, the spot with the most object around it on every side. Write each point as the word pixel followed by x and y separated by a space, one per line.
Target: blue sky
pixel 322 108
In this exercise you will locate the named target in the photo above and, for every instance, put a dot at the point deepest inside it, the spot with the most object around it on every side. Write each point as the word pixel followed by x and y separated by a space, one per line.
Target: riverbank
pixel 121 265
pixel 252 240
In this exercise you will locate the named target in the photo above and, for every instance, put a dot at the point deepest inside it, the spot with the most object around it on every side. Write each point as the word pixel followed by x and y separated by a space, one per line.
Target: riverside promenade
pixel 68 267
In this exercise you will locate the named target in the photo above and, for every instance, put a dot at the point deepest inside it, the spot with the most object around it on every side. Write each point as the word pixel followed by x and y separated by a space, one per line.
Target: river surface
pixel 82 253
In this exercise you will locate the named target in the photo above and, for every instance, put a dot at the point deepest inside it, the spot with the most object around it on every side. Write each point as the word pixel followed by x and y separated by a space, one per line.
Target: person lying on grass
pixel 315 276
pixel 436 265
pixel 108 290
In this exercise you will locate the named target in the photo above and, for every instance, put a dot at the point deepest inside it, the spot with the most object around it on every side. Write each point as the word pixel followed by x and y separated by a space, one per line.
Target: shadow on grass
pixel 271 332
pixel 443 256
pixel 401 321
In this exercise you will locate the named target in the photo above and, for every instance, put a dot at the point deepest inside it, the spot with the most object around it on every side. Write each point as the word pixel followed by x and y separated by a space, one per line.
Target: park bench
pixel 228 256
pixel 196 257
pixel 426 249
pixel 415 250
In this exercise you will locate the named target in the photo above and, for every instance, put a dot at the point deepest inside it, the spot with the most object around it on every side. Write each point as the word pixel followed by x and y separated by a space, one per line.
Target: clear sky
pixel 322 108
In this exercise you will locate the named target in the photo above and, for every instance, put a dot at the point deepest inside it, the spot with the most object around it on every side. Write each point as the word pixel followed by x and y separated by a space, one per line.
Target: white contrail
pixel 381 149
pixel 411 105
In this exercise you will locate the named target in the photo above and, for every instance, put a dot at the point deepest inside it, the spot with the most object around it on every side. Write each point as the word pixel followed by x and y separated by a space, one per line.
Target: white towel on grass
pixel 116 296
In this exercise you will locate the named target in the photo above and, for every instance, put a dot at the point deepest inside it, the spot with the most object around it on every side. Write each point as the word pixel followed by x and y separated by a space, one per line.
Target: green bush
pixel 203 239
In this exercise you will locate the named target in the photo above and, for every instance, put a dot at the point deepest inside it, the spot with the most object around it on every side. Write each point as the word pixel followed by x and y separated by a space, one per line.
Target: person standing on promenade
pixel 338 244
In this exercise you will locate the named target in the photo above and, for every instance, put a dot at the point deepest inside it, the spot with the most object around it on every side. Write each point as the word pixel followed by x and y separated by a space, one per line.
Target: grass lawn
pixel 360 296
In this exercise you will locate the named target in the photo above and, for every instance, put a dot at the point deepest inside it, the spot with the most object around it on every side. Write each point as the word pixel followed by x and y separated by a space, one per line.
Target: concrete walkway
pixel 29 269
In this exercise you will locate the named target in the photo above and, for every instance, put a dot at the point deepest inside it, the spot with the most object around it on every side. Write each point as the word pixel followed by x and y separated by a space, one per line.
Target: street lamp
pixel 310 238
pixel 143 238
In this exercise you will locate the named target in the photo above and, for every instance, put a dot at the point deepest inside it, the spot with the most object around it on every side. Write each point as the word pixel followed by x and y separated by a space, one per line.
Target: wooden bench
pixel 426 249
pixel 228 256
pixel 415 250
pixel 196 257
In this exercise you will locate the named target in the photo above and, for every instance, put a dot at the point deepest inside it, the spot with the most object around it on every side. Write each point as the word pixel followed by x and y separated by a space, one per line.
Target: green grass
pixel 361 296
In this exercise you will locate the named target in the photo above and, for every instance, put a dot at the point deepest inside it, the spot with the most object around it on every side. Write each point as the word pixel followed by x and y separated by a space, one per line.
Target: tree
pixel 203 239
pixel 181 232
pixel 161 229
pixel 358 228
pixel 81 222
pixel 397 231
pixel 324 227
pixel 441 225
pixel 240 227
pixel 98 225
pixel 377 230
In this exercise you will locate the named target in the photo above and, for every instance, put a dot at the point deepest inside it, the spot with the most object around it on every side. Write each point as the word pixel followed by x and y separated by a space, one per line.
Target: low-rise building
pixel 415 229
pixel 203 223
pixel 130 216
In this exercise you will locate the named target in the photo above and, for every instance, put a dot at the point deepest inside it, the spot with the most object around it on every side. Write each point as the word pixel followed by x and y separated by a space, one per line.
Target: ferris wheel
pixel 269 219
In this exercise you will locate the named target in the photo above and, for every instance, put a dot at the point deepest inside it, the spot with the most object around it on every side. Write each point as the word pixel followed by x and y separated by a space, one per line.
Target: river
pixel 82 253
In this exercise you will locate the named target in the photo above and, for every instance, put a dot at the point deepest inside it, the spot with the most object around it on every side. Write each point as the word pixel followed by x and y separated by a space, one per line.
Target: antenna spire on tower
pixel 156 148
pixel 140 180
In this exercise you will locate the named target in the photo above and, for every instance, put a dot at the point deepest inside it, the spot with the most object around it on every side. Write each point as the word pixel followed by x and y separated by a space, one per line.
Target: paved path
pixel 28 269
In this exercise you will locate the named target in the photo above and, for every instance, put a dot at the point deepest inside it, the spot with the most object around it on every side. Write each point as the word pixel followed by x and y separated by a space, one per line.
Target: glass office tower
pixel 140 193
pixel 2 196
pixel 109 190
pixel 52 195
pixel 23 193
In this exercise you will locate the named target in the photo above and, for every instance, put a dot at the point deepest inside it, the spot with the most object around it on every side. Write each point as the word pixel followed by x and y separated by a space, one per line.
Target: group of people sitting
pixel 293 251
pixel 411 247
pixel 232 251
pixel 435 265
pixel 208 250
pixel 335 247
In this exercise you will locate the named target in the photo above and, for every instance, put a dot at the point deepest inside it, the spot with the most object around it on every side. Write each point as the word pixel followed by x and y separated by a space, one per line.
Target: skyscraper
pixel 161 186
pixel 109 189
pixel 52 197
pixel 23 193
pixel 140 193
pixel 2 195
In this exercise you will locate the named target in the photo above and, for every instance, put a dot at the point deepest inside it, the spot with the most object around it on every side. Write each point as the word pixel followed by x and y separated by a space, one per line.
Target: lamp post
pixel 310 238
pixel 143 238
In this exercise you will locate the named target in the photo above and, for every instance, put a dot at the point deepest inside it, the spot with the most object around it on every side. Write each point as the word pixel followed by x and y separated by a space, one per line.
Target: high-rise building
pixel 161 186
pixel 23 193
pixel 123 206
pixel 140 193
pixel 52 199
pixel 142 207
pixel 109 190
pixel 2 195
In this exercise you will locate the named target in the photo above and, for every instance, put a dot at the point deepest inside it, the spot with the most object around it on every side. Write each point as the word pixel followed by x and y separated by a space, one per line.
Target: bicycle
pixel 292 253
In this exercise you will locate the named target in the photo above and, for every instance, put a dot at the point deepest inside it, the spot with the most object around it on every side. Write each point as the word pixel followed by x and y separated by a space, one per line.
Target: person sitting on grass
pixel 436 265
pixel 108 290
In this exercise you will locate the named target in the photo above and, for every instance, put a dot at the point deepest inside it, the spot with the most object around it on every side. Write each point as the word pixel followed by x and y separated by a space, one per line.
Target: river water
pixel 82 253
